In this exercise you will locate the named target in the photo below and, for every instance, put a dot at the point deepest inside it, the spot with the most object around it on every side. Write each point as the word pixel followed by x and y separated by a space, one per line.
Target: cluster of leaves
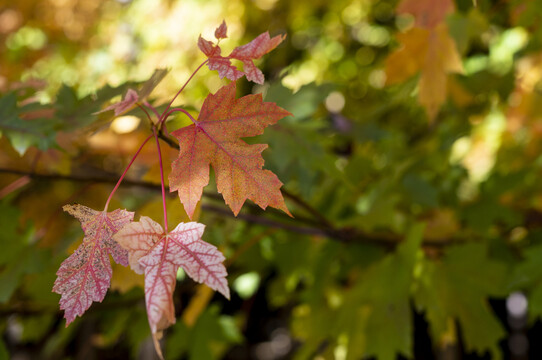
pixel 214 138
pixel 418 199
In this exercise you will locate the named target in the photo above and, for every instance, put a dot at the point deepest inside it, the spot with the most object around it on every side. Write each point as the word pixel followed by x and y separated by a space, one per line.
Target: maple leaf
pixel 85 275
pixel 215 139
pixel 441 58
pixel 433 53
pixel 255 49
pixel 159 255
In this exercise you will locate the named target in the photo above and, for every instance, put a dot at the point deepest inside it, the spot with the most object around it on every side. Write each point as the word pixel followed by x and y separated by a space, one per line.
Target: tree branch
pixel 316 227
pixel 167 140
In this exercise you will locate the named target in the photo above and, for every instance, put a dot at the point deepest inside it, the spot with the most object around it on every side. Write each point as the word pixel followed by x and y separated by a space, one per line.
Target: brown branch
pixel 76 178
pixel 301 203
pixel 255 216
pixel 168 140
pixel 125 183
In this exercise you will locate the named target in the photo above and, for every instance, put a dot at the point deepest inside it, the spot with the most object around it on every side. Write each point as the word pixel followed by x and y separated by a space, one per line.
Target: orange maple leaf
pixel 433 53
pixel 215 138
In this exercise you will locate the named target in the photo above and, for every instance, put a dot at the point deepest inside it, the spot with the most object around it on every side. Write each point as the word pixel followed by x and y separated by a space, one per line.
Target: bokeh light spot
pixel 125 124
pixel 335 102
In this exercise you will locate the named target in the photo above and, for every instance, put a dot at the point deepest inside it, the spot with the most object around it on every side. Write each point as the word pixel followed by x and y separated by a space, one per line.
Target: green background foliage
pixel 410 230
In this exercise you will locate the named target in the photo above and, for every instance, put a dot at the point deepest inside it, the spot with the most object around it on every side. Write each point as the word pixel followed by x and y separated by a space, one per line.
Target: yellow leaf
pixel 431 52
pixel 409 59
pixel 441 58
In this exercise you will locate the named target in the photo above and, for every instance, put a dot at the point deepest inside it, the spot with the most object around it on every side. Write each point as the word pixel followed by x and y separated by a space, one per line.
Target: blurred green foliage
pixel 402 211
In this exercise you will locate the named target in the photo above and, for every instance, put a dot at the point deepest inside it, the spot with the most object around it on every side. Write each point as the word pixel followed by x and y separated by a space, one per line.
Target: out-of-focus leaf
pixel 434 54
pixel 528 275
pixel 148 86
pixel 36 327
pixel 420 191
pixel 303 103
pixel 441 224
pixel 457 287
pixel 138 331
pixel 298 147
pixel 199 342
pixel 10 241
pixel 4 354
pixel 31 260
pixel 39 132
pixel 20 256
pixel 58 341
pixel 132 97
pixel 381 298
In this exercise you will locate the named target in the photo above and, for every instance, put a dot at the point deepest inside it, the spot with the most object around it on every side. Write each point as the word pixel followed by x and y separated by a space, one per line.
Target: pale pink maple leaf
pixel 85 276
pixel 255 49
pixel 217 62
pixel 159 256
pixel 224 67
pixel 215 138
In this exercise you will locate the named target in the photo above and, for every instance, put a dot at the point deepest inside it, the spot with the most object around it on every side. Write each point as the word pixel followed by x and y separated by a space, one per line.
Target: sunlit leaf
pixel 215 139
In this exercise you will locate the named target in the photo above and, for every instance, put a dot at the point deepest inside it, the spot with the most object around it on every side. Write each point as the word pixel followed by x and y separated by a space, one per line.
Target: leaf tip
pixel 226 292
pixel 156 342
pixel 287 212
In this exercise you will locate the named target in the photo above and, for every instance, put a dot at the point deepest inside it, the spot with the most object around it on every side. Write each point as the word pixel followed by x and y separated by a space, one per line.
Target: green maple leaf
pixel 457 288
